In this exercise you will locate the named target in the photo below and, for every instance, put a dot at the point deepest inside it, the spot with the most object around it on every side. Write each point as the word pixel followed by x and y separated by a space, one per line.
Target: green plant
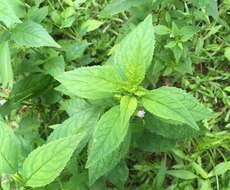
pixel 113 124
pixel 117 81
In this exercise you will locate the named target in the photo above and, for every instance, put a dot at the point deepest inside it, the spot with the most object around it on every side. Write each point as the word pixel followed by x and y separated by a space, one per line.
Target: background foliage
pixel 192 51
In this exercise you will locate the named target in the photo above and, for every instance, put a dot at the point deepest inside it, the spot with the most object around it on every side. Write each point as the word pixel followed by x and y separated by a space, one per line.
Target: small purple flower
pixel 141 113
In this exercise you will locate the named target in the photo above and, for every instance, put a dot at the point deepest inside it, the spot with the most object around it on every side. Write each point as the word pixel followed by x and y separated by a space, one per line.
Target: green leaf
pixel 119 175
pixel 74 49
pixel 199 170
pixel 28 87
pixel 117 6
pixel 9 150
pixel 168 130
pixel 164 104
pixel 111 130
pixel 45 163
pixel 107 163
pixel 18 6
pixel 6 72
pixel 7 14
pixel 161 30
pixel 37 14
pixel 83 120
pixel 95 82
pixel 198 111
pixel 32 34
pixel 210 5
pixel 227 53
pixel 133 54
pixel 55 66
pixel 90 25
pixel 220 169
pixel 182 174
pixel 128 106
pixel 151 142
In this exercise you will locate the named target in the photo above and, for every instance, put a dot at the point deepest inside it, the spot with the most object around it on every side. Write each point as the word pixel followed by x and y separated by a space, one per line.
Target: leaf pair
pixel 130 62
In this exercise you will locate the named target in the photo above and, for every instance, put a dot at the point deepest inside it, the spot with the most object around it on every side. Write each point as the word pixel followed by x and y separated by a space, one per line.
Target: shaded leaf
pixel 32 34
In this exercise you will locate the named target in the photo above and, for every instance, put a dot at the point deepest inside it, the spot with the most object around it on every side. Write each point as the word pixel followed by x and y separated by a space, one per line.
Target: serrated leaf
pixel 95 82
pixel 198 111
pixel 6 72
pixel 128 106
pixel 9 150
pixel 107 163
pixel 75 106
pixel 7 14
pixel 133 54
pixel 45 163
pixel 151 142
pixel 111 130
pixel 163 104
pixel 55 66
pixel 32 34
pixel 82 121
pixel 168 130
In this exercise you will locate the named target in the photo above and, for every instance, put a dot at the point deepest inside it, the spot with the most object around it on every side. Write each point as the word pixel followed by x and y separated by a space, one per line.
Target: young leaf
pixel 45 163
pixel 7 14
pixel 163 104
pixel 32 34
pixel 133 55
pixel 90 25
pixel 9 150
pixel 128 106
pixel 95 82
pixel 111 130
pixel 6 72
